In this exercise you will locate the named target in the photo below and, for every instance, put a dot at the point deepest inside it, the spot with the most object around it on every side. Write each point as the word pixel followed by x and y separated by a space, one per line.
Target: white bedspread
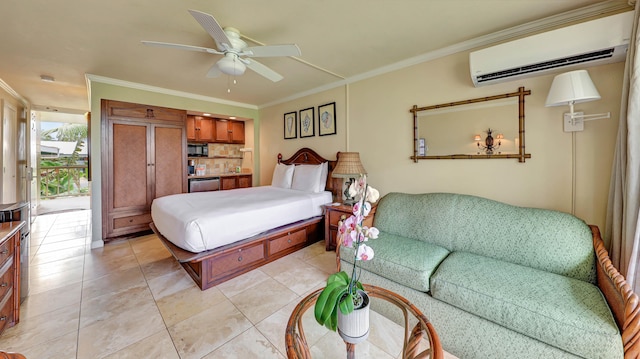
pixel 205 220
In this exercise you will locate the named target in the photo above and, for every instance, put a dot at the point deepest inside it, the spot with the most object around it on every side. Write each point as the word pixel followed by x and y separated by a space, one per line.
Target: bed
pixel 217 236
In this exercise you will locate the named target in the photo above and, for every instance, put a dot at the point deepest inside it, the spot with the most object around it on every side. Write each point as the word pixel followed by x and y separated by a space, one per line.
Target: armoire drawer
pixel 132 221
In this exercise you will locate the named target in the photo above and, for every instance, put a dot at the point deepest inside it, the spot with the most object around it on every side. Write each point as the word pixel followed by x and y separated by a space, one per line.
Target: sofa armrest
pixel 622 300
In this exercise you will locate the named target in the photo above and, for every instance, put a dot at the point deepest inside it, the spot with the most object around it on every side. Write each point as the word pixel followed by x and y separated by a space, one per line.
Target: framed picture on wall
pixel 290 125
pixel 307 129
pixel 327 119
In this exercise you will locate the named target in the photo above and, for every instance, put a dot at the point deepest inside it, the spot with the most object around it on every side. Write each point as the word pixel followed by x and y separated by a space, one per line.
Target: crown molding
pixel 596 10
pixel 5 86
pixel 138 86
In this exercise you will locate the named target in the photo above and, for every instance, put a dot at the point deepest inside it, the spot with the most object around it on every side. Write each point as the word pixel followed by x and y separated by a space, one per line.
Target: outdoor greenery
pixel 62 176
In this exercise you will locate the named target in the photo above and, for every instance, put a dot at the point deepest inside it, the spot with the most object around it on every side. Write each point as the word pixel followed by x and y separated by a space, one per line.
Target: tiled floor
pixel 131 299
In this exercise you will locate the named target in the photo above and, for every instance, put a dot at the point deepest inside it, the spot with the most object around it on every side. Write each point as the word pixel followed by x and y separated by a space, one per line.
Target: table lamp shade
pixel 575 86
pixel 348 166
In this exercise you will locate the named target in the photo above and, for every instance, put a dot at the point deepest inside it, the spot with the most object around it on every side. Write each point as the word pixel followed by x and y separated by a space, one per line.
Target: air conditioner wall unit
pixel 595 42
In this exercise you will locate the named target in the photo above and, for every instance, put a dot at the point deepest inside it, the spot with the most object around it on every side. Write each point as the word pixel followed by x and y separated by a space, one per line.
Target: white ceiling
pixel 339 39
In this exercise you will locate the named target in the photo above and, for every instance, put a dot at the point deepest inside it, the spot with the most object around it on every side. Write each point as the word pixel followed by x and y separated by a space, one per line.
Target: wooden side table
pixel 333 214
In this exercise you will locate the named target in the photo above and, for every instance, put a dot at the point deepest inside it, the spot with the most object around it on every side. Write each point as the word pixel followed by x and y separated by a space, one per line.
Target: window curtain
pixel 623 224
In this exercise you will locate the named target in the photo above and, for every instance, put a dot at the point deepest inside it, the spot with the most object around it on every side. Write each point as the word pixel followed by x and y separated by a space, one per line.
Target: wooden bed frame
pixel 212 267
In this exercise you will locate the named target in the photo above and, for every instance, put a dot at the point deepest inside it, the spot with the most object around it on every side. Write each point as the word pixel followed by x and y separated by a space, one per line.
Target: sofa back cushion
pixel 548 240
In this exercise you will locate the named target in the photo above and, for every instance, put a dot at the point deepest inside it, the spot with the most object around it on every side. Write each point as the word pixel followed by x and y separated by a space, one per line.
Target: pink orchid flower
pixel 365 253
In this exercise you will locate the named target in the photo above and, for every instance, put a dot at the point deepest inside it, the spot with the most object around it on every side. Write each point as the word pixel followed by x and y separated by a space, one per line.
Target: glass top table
pixel 415 339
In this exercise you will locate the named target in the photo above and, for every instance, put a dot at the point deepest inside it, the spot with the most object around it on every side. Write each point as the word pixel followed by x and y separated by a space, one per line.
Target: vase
pixel 354 327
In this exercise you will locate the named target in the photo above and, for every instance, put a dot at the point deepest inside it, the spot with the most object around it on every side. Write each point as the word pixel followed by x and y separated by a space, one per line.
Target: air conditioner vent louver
pixel 596 55
pixel 590 43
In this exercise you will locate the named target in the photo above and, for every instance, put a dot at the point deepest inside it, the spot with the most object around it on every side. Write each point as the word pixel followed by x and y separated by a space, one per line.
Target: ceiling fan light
pixel 231 66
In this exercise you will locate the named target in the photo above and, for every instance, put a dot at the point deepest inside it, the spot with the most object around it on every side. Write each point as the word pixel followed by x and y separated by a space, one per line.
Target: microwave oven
pixel 197 150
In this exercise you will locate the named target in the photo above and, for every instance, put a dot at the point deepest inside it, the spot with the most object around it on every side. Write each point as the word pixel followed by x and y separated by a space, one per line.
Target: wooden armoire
pixel 143 157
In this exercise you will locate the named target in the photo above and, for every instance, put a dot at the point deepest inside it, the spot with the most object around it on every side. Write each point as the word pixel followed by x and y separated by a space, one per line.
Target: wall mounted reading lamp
pixel 570 88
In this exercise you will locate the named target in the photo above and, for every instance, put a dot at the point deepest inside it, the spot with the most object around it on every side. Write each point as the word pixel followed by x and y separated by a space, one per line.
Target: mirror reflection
pixel 464 129
pixel 481 128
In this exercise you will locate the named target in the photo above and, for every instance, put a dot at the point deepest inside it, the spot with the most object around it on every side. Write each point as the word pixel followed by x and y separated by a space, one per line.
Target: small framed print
pixel 327 119
pixel 422 150
pixel 290 125
pixel 307 129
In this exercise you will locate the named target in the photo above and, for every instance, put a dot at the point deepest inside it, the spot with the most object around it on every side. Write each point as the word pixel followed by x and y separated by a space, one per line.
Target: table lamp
pixel 350 167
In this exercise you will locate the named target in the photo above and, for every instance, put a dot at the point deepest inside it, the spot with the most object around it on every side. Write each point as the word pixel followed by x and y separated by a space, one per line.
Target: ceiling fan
pixel 237 56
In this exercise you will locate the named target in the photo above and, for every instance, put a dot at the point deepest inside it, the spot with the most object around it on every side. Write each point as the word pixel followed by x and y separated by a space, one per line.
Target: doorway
pixel 62 173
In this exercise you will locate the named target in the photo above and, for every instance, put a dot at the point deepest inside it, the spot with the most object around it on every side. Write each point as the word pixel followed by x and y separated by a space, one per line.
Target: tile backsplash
pixel 229 159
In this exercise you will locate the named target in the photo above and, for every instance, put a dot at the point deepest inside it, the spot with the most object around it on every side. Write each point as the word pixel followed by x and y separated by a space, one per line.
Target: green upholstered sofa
pixel 500 281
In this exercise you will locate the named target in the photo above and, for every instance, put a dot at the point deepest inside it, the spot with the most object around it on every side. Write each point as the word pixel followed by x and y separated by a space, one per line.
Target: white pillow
pixel 282 176
pixel 307 178
pixel 323 176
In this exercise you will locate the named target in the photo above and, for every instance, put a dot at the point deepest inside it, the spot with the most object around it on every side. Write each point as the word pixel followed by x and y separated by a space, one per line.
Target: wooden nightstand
pixel 332 216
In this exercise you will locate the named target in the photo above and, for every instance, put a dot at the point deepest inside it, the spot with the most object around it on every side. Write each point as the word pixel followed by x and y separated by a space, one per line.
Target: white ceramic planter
pixel 354 327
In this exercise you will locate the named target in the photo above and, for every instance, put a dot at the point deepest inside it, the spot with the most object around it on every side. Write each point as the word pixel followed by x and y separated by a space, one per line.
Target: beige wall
pixel 272 139
pixel 374 119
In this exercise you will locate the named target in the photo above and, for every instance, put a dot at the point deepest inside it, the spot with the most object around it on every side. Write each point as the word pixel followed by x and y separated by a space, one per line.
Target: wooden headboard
pixel 307 156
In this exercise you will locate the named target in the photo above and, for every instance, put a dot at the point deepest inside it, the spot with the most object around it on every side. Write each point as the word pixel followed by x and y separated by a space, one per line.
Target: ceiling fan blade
pixel 209 23
pixel 272 51
pixel 262 70
pixel 182 47
pixel 214 71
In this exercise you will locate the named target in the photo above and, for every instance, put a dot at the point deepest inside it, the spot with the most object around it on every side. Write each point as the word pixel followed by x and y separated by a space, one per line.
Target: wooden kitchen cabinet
pixel 144 158
pixel 10 274
pixel 200 129
pixel 229 131
pixel 232 182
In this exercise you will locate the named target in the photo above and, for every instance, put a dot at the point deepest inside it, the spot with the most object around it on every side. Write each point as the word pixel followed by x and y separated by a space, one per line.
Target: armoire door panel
pixel 168 160
pixel 130 165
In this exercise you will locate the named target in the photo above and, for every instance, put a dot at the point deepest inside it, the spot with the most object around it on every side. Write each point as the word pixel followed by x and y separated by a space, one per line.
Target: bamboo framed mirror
pixel 479 128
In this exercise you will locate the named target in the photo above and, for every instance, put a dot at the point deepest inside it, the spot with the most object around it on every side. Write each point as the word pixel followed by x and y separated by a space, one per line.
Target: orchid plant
pixel 341 292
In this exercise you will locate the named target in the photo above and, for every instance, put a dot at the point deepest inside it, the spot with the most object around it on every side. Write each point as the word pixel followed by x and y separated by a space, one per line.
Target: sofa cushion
pixel 544 239
pixel 563 312
pixel 406 261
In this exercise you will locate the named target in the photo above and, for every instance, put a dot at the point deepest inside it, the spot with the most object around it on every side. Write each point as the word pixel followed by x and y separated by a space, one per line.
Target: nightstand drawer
pixel 336 216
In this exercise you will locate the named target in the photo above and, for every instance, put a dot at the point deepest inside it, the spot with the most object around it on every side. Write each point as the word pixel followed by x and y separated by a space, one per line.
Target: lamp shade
pixel 572 87
pixel 348 165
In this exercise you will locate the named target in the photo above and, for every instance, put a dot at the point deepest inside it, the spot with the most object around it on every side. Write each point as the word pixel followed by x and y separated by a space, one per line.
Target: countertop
pixel 226 174
pixel 7 229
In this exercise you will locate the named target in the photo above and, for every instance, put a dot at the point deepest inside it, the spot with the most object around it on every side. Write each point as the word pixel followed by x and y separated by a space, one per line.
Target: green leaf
pixel 346 304
pixel 340 277
pixel 335 296
pixel 323 301
pixel 332 324
pixel 332 303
